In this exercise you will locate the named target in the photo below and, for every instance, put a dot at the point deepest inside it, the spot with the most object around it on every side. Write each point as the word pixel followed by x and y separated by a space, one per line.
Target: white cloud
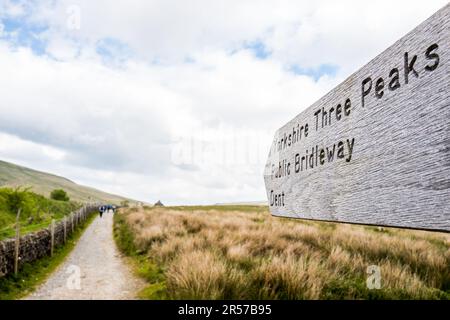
pixel 25 151
pixel 62 48
pixel 12 8
pixel 127 122
pixel 179 78
pixel 344 33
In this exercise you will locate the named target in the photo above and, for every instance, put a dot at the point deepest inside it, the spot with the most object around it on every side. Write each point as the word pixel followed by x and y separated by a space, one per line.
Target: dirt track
pixel 93 270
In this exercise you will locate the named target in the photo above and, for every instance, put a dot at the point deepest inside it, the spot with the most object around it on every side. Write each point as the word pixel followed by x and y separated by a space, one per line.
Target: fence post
pixel 65 228
pixel 38 214
pixel 71 217
pixel 52 233
pixel 17 244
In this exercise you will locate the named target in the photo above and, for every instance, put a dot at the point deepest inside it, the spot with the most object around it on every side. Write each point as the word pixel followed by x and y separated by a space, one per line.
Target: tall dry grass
pixel 233 253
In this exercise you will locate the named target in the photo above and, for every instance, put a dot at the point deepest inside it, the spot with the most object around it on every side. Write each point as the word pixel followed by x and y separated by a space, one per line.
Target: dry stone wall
pixel 37 245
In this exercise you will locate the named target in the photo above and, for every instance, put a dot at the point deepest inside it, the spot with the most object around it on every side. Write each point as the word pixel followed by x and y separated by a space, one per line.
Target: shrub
pixel 16 198
pixel 125 203
pixel 60 195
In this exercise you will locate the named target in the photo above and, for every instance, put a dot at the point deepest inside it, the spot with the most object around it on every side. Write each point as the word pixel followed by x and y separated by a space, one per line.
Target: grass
pixel 242 252
pixel 37 211
pixel 144 268
pixel 33 274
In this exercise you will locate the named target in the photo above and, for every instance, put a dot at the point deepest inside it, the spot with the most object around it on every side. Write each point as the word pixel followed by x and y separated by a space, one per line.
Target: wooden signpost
pixel 65 228
pixel 52 237
pixel 375 149
pixel 17 243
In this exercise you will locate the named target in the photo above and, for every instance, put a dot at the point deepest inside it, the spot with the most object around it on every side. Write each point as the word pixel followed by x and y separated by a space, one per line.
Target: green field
pixel 12 175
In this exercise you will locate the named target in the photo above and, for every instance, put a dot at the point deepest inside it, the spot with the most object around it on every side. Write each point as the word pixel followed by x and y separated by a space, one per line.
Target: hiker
pixel 100 210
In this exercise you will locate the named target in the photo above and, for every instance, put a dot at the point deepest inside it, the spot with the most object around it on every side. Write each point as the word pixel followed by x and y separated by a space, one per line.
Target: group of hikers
pixel 106 208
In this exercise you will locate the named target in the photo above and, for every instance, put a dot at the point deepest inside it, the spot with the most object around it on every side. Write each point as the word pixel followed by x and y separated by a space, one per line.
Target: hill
pixel 43 183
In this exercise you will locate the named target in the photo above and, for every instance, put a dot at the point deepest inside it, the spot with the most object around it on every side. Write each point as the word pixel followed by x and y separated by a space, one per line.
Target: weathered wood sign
pixel 376 149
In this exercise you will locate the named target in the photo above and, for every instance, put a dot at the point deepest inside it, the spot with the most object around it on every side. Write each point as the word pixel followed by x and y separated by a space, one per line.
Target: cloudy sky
pixel 176 100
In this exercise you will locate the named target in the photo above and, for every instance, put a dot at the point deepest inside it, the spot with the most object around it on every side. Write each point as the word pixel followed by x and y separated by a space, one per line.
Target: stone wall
pixel 37 245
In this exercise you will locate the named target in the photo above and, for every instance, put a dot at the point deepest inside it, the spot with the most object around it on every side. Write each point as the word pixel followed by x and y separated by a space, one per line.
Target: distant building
pixel 159 204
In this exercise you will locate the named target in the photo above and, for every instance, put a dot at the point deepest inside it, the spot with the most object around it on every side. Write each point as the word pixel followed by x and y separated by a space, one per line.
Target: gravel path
pixel 93 270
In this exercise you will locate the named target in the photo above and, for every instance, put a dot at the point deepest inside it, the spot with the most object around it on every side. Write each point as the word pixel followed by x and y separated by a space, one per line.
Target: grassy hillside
pixel 232 252
pixel 12 175
pixel 37 211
